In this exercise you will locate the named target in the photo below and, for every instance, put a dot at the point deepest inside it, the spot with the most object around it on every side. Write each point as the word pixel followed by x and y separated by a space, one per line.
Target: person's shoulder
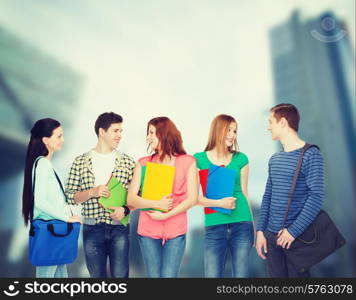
pixel 142 161
pixel 42 165
pixel 81 157
pixel 186 157
pixel 313 150
pixel 275 156
pixel 313 153
pixel 240 159
pixel 128 158
pixel 241 155
pixel 199 155
pixel 43 162
pixel 185 161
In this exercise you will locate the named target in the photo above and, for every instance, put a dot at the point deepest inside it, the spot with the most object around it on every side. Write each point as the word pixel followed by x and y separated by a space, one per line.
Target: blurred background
pixel 190 61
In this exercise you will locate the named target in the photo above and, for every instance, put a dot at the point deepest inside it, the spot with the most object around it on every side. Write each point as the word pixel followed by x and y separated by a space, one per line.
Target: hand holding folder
pixel 117 198
pixel 219 183
pixel 157 181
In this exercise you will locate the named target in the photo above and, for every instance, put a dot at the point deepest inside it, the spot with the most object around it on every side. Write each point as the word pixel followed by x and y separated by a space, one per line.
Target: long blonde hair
pixel 218 130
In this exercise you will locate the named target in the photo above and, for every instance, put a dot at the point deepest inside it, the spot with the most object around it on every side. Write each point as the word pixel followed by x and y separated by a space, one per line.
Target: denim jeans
pixel 235 237
pixel 59 271
pixel 277 264
pixel 162 260
pixel 103 241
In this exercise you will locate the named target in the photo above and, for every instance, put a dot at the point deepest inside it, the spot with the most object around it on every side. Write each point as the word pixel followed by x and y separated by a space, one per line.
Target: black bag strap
pixel 295 178
pixel 34 180
pixel 50 228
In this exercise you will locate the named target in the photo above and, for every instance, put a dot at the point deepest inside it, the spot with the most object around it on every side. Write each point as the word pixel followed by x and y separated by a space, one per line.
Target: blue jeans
pixel 162 260
pixel 103 241
pixel 236 237
pixel 59 271
pixel 277 263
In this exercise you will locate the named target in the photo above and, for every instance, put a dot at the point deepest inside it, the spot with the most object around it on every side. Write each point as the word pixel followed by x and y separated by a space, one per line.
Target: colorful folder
pixel 157 181
pixel 118 195
pixel 203 178
pixel 220 184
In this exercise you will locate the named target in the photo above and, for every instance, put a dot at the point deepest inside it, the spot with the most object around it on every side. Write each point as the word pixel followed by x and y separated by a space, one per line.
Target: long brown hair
pixel 169 137
pixel 218 130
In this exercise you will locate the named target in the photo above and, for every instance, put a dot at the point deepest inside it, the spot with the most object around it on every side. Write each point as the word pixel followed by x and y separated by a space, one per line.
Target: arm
pixel 244 186
pixel 73 183
pixel 314 177
pixel 134 200
pixel 95 192
pixel 42 193
pixel 73 191
pixel 266 201
pixel 261 242
pixel 227 202
pixel 191 200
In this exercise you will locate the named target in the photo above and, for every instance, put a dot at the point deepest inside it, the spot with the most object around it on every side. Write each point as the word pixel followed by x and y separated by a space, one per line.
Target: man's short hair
pixel 289 112
pixel 105 120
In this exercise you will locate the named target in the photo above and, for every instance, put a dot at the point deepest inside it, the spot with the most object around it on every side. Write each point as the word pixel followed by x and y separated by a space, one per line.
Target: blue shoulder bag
pixel 52 242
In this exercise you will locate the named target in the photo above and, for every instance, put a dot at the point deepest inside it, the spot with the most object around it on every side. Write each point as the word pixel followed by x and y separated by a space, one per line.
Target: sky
pixel 188 60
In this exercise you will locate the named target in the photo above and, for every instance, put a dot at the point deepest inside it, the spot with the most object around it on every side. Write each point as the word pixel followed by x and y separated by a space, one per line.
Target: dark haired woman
pixel 47 201
pixel 162 234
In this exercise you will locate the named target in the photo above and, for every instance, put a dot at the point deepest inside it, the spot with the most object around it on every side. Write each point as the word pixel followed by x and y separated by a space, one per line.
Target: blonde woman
pixel 226 232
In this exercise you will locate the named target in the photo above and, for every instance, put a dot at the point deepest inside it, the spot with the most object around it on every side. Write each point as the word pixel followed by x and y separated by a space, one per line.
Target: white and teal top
pixel 49 199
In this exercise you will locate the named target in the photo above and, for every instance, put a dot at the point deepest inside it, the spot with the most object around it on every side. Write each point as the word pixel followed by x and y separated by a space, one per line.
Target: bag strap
pixel 50 228
pixel 33 184
pixel 295 178
pixel 34 180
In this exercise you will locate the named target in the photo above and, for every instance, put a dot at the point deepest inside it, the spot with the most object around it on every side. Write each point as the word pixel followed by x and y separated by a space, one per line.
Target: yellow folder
pixel 158 181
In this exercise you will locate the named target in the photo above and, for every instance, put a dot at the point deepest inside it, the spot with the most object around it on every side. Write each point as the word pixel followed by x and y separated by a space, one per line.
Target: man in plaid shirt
pixel 104 235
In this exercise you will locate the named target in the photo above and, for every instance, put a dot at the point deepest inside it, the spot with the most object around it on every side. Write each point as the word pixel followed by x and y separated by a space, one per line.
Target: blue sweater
pixel 308 196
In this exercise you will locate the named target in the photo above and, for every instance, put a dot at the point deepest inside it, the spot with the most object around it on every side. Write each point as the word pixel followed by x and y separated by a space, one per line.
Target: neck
pixel 103 148
pixel 166 159
pixel 220 154
pixel 49 155
pixel 291 142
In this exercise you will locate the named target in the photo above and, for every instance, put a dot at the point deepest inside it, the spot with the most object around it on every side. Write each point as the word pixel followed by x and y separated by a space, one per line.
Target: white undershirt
pixel 103 165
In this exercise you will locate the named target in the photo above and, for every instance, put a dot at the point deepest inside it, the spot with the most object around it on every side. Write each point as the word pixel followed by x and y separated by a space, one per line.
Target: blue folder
pixel 221 184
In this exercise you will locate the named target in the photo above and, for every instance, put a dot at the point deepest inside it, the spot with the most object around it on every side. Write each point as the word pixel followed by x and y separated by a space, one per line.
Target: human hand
pixel 228 202
pixel 101 191
pixel 118 213
pixel 157 215
pixel 261 244
pixel 165 203
pixel 285 239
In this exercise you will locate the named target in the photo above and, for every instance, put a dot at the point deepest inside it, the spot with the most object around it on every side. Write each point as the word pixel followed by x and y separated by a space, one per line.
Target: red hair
pixel 170 139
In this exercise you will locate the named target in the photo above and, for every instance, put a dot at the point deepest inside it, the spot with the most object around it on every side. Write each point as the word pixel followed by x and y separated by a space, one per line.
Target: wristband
pixel 126 210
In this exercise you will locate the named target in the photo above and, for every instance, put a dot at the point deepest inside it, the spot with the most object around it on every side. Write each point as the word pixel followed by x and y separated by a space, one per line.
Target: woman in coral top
pixel 162 235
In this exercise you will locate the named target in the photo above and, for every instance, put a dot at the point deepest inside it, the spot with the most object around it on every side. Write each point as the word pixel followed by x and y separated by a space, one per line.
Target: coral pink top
pixel 176 225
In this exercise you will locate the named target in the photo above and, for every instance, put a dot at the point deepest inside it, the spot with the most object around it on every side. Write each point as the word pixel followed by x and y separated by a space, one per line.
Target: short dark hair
pixel 289 112
pixel 105 120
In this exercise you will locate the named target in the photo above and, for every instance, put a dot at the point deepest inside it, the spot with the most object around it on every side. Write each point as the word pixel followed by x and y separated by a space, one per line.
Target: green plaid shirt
pixel 81 178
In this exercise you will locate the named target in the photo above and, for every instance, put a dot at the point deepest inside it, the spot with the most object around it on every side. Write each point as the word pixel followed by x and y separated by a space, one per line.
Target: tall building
pixel 314 68
pixel 33 85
